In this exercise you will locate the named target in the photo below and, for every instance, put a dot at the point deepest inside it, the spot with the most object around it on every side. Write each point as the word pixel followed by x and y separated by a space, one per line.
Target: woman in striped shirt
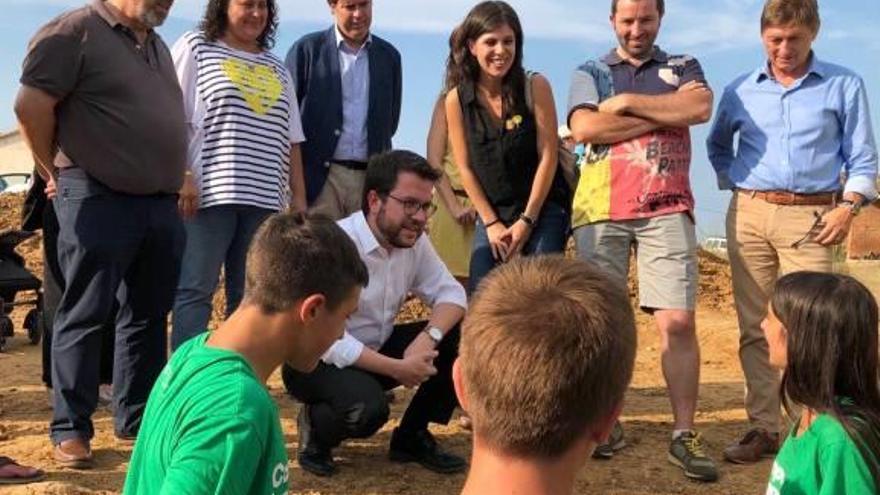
pixel 244 158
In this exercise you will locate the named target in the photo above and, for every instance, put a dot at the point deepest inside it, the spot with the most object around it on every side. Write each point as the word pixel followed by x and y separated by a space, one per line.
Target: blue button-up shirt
pixel 798 138
pixel 354 67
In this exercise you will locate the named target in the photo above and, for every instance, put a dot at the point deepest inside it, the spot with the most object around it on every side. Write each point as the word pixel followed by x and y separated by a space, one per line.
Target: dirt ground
pixel 639 469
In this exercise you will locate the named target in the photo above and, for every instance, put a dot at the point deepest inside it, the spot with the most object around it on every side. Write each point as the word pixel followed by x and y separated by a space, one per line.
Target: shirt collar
pixel 109 15
pixel 816 67
pixel 106 13
pixel 340 40
pixel 363 234
pixel 613 58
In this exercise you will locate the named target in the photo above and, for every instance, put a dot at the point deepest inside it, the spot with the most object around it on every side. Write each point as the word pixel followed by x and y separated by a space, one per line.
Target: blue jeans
pixel 217 236
pixel 548 237
pixel 112 248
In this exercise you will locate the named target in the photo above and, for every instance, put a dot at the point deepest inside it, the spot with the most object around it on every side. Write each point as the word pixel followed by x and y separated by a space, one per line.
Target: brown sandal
pixel 19 478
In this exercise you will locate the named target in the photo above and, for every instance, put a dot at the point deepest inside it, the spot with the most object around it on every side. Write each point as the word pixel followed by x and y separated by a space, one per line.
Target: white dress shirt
pixel 393 275
pixel 354 69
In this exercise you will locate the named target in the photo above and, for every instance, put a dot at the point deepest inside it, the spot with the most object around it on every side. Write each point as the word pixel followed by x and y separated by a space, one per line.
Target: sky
pixel 559 36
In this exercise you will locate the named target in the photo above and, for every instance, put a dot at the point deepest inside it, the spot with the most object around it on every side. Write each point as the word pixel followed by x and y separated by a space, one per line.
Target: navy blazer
pixel 313 62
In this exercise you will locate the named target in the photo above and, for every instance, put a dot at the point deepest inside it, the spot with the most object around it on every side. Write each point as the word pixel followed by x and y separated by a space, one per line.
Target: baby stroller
pixel 15 278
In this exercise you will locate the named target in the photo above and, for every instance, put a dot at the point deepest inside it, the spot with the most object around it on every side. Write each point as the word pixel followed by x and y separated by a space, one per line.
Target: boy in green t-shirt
pixel 210 425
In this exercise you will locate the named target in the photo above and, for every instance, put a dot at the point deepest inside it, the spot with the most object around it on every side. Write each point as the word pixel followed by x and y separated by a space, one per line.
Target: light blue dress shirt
pixel 800 138
pixel 354 68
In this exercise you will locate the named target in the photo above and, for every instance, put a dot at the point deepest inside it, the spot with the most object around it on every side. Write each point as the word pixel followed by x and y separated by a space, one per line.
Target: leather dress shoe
pixel 312 457
pixel 419 446
pixel 757 444
pixel 316 461
pixel 74 453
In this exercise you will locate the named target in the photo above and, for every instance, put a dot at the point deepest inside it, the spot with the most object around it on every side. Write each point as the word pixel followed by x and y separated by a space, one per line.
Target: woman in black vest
pixel 506 151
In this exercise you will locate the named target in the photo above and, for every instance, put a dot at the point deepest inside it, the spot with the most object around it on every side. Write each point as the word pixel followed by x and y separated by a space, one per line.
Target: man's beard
pixel 391 233
pixel 151 18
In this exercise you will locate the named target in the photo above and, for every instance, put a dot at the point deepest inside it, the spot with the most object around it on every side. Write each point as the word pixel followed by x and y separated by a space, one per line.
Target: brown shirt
pixel 120 115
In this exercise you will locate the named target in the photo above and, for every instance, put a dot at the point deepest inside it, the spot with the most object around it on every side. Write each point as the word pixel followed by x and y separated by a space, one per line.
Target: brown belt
pixel 792 198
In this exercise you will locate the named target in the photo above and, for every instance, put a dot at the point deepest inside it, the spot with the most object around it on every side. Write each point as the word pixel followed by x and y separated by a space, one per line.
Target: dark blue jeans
pixel 118 247
pixel 218 236
pixel 548 236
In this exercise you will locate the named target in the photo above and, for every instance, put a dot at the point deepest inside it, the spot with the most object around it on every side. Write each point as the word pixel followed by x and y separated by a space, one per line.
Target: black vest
pixel 505 160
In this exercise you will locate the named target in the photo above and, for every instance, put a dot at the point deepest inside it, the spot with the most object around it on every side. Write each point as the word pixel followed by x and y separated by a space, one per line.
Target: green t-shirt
pixel 823 460
pixel 210 426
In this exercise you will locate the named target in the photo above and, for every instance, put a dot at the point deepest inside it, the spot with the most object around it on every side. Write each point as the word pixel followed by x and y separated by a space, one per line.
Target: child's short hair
pixel 547 351
pixel 294 255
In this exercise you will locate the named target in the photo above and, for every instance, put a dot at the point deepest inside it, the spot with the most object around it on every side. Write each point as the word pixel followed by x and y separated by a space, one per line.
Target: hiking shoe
pixel 614 443
pixel 757 444
pixel 686 452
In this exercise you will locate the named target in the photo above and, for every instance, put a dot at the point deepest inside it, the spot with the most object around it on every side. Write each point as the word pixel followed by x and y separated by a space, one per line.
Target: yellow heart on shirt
pixel 259 84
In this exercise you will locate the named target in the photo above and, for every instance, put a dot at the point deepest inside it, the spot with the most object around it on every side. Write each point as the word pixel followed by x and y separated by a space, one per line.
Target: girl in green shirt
pixel 821 329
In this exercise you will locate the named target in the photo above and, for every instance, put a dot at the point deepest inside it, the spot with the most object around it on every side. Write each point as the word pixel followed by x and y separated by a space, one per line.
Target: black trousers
pixel 111 247
pixel 53 287
pixel 350 402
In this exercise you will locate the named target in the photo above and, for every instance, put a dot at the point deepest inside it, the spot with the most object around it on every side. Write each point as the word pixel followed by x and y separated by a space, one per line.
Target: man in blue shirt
pixel 800 126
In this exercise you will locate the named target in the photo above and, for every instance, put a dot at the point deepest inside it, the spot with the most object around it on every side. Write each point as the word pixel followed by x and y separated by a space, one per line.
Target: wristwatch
pixel 854 206
pixel 435 333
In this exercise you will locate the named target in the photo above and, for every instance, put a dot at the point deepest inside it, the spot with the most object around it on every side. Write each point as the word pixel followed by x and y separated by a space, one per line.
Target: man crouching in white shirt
pixel 345 396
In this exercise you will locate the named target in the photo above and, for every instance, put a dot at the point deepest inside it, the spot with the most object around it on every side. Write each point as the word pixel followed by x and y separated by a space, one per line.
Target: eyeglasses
pixel 411 207
pixel 817 223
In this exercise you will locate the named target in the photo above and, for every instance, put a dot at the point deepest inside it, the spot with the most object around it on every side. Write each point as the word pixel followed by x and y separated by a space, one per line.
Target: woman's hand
pixel 497 241
pixel 188 197
pixel 517 236
pixel 464 215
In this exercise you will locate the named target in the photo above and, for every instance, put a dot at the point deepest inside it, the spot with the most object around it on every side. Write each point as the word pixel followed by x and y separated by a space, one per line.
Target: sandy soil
pixel 639 469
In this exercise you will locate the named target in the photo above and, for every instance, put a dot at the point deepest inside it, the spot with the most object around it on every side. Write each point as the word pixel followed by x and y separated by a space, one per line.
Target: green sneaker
pixel 614 443
pixel 686 452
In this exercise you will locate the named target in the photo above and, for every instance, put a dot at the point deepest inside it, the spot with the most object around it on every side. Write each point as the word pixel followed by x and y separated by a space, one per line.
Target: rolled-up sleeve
pixel 344 352
pixel 583 93
pixel 433 283
pixel 719 144
pixel 857 145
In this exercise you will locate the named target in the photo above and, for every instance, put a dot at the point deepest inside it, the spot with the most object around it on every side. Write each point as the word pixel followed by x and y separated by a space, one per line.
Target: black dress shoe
pixel 316 461
pixel 312 457
pixel 420 446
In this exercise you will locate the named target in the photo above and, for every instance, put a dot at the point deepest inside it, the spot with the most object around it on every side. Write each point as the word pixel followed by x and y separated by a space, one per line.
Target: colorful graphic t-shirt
pixel 822 460
pixel 210 427
pixel 643 177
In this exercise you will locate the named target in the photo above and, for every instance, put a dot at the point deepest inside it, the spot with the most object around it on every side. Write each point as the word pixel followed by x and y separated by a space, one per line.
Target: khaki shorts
pixel 666 253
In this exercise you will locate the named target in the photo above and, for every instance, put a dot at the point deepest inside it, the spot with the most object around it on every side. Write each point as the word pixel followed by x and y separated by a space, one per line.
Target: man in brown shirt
pixel 102 112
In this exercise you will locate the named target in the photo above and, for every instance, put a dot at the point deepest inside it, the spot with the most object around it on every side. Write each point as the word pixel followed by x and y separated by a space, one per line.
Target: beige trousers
pixel 342 194
pixel 759 242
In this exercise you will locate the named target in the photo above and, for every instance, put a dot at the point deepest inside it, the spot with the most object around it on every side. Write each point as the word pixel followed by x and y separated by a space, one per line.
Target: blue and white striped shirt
pixel 242 117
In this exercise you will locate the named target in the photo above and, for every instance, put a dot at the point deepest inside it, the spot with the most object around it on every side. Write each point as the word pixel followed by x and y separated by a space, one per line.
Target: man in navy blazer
pixel 348 84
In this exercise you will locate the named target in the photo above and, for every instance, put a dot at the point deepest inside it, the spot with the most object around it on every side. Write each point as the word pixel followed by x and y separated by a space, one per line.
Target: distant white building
pixel 14 154
pixel 716 246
